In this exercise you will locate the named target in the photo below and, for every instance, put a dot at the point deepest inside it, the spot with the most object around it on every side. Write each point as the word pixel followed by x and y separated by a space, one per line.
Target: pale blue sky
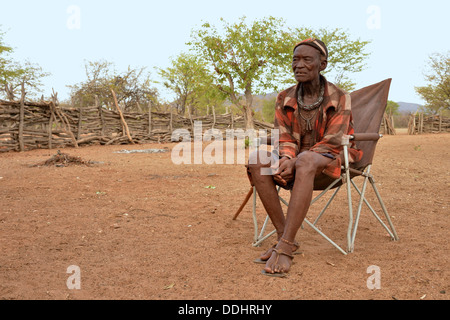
pixel 148 33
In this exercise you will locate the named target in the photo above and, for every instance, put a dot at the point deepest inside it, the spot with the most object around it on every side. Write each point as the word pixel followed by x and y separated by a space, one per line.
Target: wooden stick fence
pixel 387 125
pixel 45 125
pixel 420 123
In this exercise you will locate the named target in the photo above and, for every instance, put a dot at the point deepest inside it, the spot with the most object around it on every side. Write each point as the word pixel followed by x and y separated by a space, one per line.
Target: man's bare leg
pixel 266 188
pixel 308 165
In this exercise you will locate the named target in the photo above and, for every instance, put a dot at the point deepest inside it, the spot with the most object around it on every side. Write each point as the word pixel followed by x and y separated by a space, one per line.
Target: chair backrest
pixel 368 107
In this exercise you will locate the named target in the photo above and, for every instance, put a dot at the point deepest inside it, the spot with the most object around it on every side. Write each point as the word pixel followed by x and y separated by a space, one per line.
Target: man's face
pixel 307 63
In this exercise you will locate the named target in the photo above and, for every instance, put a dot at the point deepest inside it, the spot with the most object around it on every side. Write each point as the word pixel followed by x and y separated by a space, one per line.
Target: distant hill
pixel 408 107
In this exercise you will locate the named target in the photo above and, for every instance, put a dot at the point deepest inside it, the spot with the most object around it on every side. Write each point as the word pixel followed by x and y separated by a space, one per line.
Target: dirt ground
pixel 140 227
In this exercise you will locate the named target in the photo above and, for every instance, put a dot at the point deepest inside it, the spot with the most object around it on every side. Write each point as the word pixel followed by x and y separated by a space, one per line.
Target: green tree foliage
pixel 13 74
pixel 255 58
pixel 7 69
pixel 437 93
pixel 132 87
pixel 392 108
pixel 190 80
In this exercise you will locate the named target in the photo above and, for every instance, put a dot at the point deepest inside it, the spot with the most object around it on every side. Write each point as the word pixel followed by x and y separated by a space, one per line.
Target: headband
pixel 315 43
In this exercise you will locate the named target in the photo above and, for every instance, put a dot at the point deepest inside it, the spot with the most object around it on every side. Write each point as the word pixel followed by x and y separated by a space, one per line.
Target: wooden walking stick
pixel 249 194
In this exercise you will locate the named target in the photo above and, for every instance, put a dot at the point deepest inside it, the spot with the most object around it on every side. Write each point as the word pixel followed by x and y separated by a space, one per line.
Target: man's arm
pixel 287 144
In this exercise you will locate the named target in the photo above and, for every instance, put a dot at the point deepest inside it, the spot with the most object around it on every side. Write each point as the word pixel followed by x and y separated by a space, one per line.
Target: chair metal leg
pixel 326 190
pixel 263 228
pixel 383 207
pixel 258 242
pixel 349 198
pixel 368 178
pixel 327 204
pixel 392 235
pixel 323 235
pixel 358 212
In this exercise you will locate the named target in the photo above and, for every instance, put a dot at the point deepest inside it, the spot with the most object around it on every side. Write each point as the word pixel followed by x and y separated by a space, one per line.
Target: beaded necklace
pixel 310 107
pixel 316 104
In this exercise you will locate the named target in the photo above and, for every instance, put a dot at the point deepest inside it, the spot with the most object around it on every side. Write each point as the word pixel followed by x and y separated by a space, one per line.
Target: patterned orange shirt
pixel 334 120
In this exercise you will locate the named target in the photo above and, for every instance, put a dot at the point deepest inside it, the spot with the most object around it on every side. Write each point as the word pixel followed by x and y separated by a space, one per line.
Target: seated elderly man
pixel 312 118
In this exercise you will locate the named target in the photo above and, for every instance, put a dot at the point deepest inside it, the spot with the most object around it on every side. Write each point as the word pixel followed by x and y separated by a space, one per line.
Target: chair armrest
pixel 365 136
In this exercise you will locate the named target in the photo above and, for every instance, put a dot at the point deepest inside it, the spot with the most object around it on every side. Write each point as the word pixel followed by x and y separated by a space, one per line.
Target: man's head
pixel 309 59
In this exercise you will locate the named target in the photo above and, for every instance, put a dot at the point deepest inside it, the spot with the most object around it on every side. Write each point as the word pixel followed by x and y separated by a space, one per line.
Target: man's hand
pixel 285 172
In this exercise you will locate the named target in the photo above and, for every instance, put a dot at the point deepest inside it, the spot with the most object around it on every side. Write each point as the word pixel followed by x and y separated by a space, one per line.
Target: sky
pixel 60 35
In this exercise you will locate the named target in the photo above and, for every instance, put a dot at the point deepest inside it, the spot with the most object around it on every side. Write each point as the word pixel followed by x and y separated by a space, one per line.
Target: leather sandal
pixel 294 244
pixel 277 274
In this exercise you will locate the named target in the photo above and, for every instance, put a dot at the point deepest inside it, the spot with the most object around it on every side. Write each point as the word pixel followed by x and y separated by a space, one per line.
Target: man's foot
pixel 266 255
pixel 281 258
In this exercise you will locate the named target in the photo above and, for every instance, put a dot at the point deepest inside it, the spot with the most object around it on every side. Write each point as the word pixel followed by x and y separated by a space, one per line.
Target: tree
pixel 29 76
pixel 392 108
pixel 7 69
pixel 190 80
pixel 13 74
pixel 208 97
pixel 256 58
pixel 437 93
pixel 132 87
pixel 247 59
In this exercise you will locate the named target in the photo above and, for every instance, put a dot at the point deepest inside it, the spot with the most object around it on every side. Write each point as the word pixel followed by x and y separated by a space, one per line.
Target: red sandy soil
pixel 140 227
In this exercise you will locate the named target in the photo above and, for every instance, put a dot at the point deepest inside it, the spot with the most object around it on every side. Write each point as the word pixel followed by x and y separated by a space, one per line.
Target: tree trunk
pixel 248 116
pixel 248 113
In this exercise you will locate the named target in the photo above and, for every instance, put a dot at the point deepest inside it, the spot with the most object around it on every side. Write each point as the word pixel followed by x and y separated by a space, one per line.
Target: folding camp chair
pixel 368 107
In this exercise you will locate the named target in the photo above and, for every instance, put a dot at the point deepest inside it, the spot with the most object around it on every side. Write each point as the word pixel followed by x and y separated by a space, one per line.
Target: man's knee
pixel 306 163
